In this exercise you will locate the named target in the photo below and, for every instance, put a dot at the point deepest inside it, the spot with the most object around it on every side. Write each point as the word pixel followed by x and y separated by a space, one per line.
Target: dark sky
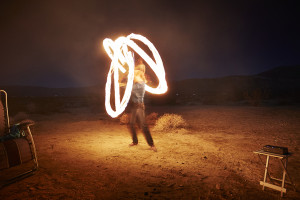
pixel 58 43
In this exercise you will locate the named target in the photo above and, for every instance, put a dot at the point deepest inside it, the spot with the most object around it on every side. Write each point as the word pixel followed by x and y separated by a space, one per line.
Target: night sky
pixel 58 43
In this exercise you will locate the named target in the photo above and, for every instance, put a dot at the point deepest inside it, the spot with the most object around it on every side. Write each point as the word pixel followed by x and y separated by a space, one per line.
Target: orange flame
pixel 120 55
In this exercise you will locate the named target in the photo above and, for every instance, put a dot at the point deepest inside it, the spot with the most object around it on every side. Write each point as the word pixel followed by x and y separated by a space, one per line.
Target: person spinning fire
pixel 138 106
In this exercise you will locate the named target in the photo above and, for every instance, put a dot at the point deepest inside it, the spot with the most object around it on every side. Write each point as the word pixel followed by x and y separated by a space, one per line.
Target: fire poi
pixel 120 56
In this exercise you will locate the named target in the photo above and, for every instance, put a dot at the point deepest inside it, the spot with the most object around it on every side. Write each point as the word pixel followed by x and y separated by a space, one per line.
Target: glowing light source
pixel 120 56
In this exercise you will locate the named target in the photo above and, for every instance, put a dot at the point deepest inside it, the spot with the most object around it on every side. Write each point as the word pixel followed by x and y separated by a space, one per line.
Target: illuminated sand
pixel 85 155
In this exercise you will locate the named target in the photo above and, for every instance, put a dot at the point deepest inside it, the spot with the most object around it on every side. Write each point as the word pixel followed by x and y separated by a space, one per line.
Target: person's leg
pixel 132 127
pixel 140 115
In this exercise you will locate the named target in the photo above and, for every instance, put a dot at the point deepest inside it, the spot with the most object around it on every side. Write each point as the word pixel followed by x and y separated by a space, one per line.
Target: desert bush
pixel 170 122
pixel 255 97
pixel 124 119
pixel 150 119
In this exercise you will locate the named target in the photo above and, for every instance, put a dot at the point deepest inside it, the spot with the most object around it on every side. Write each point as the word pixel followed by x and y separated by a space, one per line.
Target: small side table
pixel 283 160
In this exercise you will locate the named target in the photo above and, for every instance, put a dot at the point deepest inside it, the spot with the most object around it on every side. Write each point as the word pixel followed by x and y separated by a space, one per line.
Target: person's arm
pixel 122 84
pixel 122 81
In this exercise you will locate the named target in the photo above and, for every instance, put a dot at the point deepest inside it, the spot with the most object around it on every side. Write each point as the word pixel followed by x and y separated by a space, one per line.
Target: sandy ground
pixel 85 155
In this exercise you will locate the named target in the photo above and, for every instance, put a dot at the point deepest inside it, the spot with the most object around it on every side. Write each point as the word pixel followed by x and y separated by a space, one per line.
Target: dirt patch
pixel 84 155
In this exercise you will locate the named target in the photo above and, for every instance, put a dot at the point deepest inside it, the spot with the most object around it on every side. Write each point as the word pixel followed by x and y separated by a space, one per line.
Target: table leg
pixel 266 171
pixel 284 164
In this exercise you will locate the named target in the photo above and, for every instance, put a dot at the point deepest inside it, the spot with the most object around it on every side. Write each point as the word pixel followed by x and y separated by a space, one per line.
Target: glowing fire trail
pixel 120 55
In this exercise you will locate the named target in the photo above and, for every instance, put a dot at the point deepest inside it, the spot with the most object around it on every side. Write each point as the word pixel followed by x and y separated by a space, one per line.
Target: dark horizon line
pixel 171 80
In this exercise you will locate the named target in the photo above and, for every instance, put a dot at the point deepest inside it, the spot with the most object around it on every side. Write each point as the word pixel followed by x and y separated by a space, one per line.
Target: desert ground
pixel 84 154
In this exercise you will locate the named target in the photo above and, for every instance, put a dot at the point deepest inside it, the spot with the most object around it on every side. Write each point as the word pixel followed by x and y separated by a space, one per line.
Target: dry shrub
pixel 170 122
pixel 124 119
pixel 256 97
pixel 152 118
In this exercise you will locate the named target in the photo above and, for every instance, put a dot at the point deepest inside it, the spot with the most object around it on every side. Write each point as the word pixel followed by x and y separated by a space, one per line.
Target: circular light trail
pixel 120 56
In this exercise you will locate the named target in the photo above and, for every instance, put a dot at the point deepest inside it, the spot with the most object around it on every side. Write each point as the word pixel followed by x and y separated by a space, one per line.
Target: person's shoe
pixel 153 148
pixel 133 144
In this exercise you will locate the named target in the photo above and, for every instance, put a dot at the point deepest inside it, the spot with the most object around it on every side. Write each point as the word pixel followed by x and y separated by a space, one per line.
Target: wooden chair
pixel 16 146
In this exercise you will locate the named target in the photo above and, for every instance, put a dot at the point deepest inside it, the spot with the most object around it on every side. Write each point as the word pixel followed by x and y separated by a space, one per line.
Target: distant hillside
pixel 280 85
pixel 282 72
pixel 31 91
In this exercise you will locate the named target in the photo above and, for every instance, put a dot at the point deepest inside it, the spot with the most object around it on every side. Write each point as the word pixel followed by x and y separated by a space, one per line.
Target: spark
pixel 120 56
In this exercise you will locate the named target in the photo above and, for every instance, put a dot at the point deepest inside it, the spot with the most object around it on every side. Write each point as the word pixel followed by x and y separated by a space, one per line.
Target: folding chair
pixel 16 146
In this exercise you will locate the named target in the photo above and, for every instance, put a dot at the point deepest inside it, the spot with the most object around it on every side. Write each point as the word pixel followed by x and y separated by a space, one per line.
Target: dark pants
pixel 138 114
